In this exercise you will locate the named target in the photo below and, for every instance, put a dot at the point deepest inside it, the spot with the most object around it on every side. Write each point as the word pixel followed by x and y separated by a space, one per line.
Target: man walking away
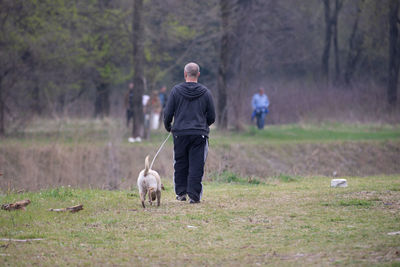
pixel 260 105
pixel 129 104
pixel 191 106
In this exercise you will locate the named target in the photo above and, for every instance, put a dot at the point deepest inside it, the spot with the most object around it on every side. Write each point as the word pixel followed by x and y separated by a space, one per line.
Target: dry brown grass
pixel 117 166
pixel 95 153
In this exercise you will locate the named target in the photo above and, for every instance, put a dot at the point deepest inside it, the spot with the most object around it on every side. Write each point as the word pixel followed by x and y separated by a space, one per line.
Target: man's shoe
pixel 194 201
pixel 181 198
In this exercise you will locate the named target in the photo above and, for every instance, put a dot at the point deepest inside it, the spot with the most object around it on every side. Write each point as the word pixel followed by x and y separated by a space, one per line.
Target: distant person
pixel 145 100
pixel 260 105
pixel 191 106
pixel 146 113
pixel 128 103
pixel 162 95
pixel 155 110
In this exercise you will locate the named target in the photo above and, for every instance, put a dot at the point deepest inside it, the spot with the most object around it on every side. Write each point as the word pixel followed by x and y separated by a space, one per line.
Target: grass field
pixel 289 221
pixel 76 131
pixel 262 203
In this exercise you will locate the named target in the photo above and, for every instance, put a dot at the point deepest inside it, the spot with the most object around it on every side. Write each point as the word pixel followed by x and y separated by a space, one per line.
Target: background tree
pixel 394 52
pixel 355 45
pixel 226 7
pixel 242 64
pixel 74 58
pixel 331 34
pixel 138 66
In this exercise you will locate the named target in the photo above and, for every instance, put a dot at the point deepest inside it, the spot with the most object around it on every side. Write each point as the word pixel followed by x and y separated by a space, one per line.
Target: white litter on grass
pixel 133 140
pixel 191 226
pixel 338 183
pixel 394 233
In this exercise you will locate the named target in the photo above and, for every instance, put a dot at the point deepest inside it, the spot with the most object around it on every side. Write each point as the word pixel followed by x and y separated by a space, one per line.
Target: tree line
pixel 54 53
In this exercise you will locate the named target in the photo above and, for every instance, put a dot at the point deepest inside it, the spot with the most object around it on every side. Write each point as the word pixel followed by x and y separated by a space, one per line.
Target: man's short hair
pixel 192 69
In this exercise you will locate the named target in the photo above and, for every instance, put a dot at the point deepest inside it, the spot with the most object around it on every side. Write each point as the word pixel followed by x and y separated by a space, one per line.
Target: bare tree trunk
pixel 36 105
pixel 335 22
pixel 102 102
pixel 239 96
pixel 355 50
pixel 243 64
pixel 138 65
pixel 393 52
pixel 2 108
pixel 328 36
pixel 2 104
pixel 331 23
pixel 223 65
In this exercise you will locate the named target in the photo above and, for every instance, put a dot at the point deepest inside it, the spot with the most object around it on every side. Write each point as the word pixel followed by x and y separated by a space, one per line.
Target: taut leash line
pixel 162 145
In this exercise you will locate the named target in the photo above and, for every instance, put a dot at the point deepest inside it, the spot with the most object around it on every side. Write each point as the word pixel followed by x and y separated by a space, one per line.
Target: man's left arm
pixel 254 102
pixel 169 112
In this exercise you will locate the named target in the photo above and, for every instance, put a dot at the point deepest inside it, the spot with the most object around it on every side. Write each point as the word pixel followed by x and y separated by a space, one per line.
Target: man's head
pixel 261 90
pixel 163 89
pixel 191 72
pixel 130 85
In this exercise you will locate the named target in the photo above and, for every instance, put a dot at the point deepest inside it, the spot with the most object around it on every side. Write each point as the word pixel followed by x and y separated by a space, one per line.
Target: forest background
pixel 329 67
pixel 319 60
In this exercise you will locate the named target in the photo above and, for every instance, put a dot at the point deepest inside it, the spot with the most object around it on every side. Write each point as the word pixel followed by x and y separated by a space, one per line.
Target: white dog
pixel 149 182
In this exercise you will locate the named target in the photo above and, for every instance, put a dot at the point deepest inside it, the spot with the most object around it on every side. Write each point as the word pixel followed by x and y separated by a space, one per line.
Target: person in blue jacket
pixel 260 105
pixel 191 106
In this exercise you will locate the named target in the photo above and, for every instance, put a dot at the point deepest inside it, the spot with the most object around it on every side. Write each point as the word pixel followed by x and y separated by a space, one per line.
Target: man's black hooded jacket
pixel 191 106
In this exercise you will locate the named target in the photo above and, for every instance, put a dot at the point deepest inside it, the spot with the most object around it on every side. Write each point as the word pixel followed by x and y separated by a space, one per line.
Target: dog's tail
pixel 146 166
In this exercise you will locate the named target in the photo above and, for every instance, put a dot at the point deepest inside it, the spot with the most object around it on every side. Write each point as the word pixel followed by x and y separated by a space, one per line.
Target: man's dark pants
pixel 129 116
pixel 190 153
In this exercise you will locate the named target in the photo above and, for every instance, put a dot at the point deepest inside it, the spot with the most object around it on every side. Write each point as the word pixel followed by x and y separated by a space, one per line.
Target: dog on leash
pixel 149 182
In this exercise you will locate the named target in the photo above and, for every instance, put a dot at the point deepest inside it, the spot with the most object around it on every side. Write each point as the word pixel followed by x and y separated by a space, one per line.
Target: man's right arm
pixel 210 110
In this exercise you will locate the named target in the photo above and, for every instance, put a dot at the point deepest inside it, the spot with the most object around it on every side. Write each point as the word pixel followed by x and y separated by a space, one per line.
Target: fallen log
pixel 19 205
pixel 70 209
pixel 20 240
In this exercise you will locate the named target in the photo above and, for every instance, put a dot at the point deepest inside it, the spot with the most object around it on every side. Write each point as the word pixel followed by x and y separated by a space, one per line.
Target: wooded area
pixel 76 58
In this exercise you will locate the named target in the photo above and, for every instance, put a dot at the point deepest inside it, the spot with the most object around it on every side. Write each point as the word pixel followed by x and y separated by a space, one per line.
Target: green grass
pixel 230 177
pixel 295 221
pixel 72 131
pixel 311 133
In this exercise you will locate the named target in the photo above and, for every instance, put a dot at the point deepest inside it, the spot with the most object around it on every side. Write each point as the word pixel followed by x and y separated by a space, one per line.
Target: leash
pixel 162 145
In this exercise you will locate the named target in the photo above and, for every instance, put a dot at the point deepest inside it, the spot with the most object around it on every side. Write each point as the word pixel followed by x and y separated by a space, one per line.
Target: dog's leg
pixel 158 197
pixel 149 193
pixel 143 198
